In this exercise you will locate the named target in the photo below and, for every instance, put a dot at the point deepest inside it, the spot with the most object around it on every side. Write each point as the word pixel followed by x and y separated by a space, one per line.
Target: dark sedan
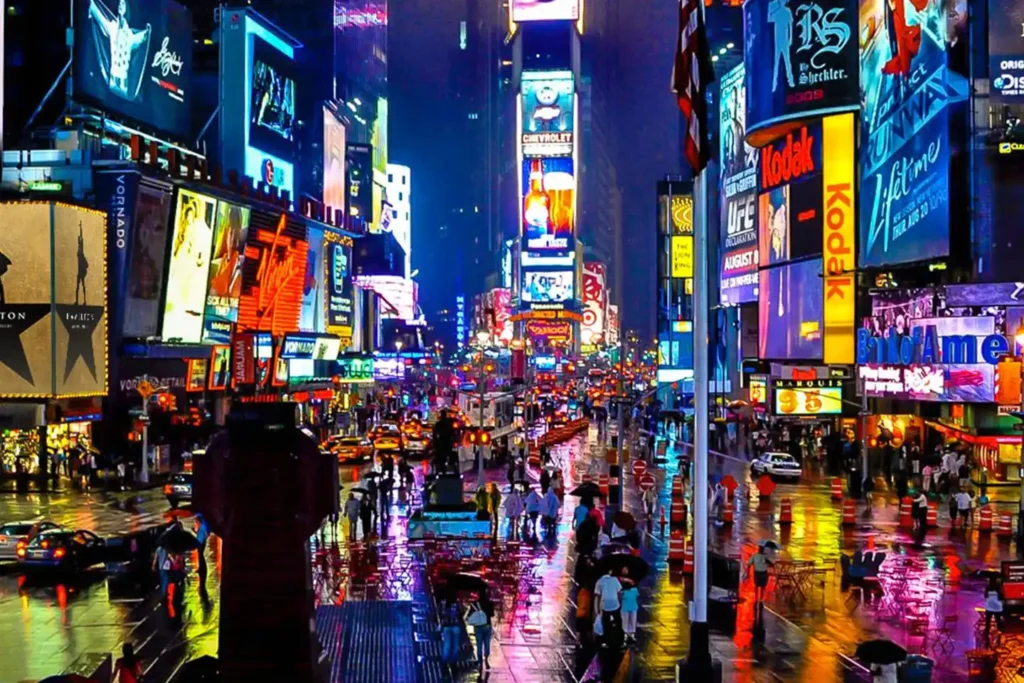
pixel 63 549
pixel 14 535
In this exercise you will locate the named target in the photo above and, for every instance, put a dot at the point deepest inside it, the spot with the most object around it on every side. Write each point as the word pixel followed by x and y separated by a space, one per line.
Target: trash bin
pixel 981 666
pixel 918 669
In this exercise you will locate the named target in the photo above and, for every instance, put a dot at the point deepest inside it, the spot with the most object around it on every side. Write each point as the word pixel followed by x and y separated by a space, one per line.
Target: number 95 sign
pixel 808 400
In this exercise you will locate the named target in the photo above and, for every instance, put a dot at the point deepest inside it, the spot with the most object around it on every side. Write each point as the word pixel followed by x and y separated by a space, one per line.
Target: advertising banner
pixel 273 275
pixel 313 288
pixel 334 163
pixel 359 177
pixel 502 314
pixel 117 193
pixel 337 270
pixel 548 114
pixel 229 238
pixel 302 346
pixel 839 240
pixel 682 256
pixel 738 221
pixel 272 100
pixel 595 301
pixel 905 147
pixel 243 357
pixel 811 51
pixel 789 208
pixel 544 287
pixel 613 324
pixel 189 267
pixel 134 58
pixel 789 311
pixel 549 330
pixel 198 369
pixel 220 367
pixel 355 370
pixel 808 398
pixel 1006 49
pixel 549 205
pixel 148 256
pixel 545 10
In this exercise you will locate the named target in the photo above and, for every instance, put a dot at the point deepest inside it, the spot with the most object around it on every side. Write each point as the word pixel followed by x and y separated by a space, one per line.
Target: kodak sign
pixel 839 238
pixel 789 159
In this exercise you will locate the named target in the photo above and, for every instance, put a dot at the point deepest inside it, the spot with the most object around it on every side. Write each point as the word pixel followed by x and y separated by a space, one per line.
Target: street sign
pixel 145 389
pixel 639 467
pixel 647 481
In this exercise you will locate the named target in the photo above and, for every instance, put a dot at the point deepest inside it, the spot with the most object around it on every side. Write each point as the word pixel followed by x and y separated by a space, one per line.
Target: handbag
pixel 477 617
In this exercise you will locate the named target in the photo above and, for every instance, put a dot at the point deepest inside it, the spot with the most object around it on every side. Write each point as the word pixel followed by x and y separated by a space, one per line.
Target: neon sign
pixel 925 346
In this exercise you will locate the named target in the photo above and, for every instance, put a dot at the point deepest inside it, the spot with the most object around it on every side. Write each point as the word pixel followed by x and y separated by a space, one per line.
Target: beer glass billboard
pixel 549 205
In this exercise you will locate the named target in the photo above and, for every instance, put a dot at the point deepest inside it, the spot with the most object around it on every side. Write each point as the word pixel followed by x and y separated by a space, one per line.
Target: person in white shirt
pixel 607 604
pixel 963 506
pixel 993 606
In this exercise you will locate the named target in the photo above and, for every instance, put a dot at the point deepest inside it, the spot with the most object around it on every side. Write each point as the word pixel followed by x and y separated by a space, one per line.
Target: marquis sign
pixel 810 50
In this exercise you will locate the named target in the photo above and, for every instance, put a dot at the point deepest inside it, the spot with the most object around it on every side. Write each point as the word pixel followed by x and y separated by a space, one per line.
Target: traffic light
pixel 166 402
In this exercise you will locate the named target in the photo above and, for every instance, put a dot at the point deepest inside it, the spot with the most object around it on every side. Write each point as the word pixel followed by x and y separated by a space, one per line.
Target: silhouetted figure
pixel 83 268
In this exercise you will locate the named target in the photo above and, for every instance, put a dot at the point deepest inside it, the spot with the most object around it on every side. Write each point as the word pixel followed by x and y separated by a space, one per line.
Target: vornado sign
pixel 838 239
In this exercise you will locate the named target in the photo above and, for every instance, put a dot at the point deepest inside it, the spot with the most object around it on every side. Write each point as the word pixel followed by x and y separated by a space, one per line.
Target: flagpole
pixel 699 658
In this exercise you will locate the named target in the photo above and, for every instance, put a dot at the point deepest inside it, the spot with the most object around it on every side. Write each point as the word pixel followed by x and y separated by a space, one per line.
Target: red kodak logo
pixel 796 158
pixel 838 210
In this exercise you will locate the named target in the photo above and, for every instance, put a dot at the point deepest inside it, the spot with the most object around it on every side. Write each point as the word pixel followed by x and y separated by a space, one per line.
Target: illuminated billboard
pixel 229 238
pixel 1006 49
pixel 148 259
pixel 359 170
pixel 905 145
pixel 273 275
pixel 808 398
pixel 313 287
pixel 134 58
pixel 271 100
pixel 338 274
pixel 790 311
pixel 189 267
pixel 789 212
pixel 810 49
pixel 738 219
pixel 595 301
pixel 53 301
pixel 334 163
pixel 839 239
pixel 545 10
pixel 547 287
pixel 549 205
pixel 548 114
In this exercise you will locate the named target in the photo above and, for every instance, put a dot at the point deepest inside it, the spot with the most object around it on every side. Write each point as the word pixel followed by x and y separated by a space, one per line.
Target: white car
pixel 776 465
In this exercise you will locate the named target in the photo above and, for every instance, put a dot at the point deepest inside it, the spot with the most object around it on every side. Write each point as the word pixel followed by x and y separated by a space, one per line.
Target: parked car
pixel 63 549
pixel 349 448
pixel 417 445
pixel 781 465
pixel 179 489
pixel 14 535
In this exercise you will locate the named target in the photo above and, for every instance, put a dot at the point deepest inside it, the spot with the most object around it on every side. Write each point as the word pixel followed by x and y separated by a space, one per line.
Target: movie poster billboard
pixel 502 303
pixel 133 58
pixel 738 222
pixel 338 279
pixel 789 212
pixel 145 286
pixel 547 287
pixel 595 301
pixel 273 275
pixel 810 50
pixel 549 205
pixel 1006 50
pixel 189 267
pixel 359 178
pixel 545 10
pixel 229 237
pixel 313 306
pixel 905 144
pixel 334 163
pixel 548 114
pixel 790 311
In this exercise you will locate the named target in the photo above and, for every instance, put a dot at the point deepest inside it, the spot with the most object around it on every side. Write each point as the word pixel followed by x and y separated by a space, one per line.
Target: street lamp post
pixel 481 337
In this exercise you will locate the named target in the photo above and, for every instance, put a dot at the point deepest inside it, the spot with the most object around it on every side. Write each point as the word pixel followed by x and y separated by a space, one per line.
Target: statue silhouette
pixel 5 263
pixel 83 268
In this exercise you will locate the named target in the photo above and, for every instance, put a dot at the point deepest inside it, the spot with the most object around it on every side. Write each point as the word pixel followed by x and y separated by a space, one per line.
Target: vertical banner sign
pixel 116 193
pixel 838 240
pixel 595 300
pixel 244 359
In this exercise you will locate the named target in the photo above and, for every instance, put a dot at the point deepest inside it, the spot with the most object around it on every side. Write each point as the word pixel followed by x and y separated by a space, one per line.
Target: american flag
pixel 691 76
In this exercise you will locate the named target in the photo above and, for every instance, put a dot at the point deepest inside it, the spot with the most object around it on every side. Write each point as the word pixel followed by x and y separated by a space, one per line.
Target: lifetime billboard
pixel 53 301
pixel 812 51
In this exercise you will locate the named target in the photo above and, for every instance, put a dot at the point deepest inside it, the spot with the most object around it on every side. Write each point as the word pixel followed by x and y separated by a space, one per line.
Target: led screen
pixel 554 287
pixel 359 169
pixel 229 237
pixel 906 85
pixel 800 398
pixel 189 267
pixel 334 163
pixel 338 274
pixel 312 317
pixel 789 311
pixel 789 211
pixel 133 58
pixel 738 220
pixel 545 10
pixel 549 204
pixel 272 100
pixel 148 260
pixel 273 275
pixel 1006 49
pixel 548 102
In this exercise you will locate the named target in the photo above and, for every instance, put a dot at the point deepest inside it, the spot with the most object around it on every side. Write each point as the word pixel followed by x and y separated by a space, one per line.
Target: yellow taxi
pixel 349 448
pixel 387 437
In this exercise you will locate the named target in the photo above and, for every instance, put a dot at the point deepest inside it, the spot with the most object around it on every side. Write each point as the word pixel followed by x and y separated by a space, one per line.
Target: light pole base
pixel 698 665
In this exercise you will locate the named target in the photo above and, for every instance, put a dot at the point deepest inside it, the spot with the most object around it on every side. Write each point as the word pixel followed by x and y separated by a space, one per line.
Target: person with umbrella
pixel 352 514
pixel 513 511
pixel 366 515
pixel 128 668
pixel 881 656
pixel 545 481
pixel 386 484
pixel 630 606
pixel 607 602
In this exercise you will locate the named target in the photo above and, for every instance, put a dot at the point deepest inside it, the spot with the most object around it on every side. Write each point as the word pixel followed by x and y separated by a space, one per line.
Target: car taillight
pixel 168 489
pixel 20 552
pixel 20 545
pixel 59 553
pixel 45 544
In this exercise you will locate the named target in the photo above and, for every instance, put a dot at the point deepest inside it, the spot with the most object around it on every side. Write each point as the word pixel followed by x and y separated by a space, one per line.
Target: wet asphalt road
pixel 48 623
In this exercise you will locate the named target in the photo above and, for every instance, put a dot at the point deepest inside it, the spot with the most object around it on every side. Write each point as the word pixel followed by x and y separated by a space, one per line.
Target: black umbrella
pixel 880 652
pixel 587 489
pixel 467 581
pixel 988 574
pixel 178 541
pixel 624 520
pixel 769 544
pixel 358 489
pixel 615 563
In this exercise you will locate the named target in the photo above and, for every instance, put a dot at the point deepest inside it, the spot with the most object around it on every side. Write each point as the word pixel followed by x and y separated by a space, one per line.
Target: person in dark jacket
pixel 545 482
